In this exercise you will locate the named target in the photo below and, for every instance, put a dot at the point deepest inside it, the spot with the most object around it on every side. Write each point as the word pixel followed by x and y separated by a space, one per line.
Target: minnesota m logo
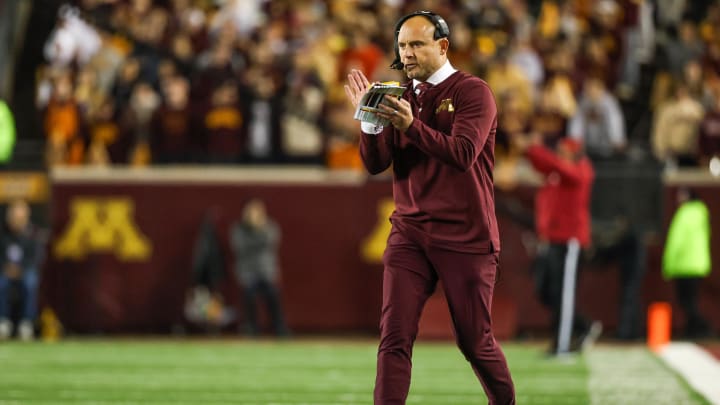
pixel 102 225
pixel 373 246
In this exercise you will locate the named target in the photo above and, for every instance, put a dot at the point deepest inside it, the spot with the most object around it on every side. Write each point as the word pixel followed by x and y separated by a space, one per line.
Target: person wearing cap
pixel 562 221
pixel 440 144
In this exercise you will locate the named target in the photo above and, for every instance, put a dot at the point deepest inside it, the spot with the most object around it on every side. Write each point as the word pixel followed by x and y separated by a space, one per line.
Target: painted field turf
pixel 313 373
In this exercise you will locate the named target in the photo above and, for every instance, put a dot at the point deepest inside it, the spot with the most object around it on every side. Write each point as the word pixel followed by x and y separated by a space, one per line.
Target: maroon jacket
pixel 443 166
pixel 562 205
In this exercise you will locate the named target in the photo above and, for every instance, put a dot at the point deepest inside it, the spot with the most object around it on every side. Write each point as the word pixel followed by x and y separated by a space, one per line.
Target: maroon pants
pixel 411 273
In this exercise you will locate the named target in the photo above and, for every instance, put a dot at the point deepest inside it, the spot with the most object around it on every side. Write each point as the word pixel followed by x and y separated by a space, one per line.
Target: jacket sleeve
pixel 475 118
pixel 546 162
pixel 376 150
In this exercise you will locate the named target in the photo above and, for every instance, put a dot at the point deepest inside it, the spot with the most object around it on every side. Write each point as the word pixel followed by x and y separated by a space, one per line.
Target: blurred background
pixel 139 130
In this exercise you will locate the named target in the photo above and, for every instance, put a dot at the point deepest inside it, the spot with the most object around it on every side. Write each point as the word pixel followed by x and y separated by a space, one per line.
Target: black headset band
pixel 441 31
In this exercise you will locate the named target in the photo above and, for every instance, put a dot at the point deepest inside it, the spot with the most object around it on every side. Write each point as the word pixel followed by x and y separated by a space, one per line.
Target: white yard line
pixel 698 367
pixel 630 375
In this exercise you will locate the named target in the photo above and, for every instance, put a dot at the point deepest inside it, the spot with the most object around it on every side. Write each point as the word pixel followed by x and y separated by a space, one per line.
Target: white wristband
pixel 370 128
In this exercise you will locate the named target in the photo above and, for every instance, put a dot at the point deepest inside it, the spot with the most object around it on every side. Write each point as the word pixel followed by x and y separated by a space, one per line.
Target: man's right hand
pixel 356 87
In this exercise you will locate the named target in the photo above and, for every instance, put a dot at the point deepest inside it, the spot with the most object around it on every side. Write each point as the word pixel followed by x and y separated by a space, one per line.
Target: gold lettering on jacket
pixel 445 105
pixel 102 225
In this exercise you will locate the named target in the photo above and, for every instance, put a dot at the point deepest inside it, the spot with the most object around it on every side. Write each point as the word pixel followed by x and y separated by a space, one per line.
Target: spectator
pixel 639 45
pixel 108 143
pixel 136 119
pixel 562 217
pixel 505 77
pixel 174 137
pixel 598 122
pixel 692 77
pixel 304 103
pixel 216 66
pixel 670 12
pixel 73 41
pixel 343 151
pixel 709 138
pixel 711 60
pixel 128 77
pixel 682 47
pixel 686 258
pixel 187 18
pixel 263 88
pixel 524 56
pixel 106 63
pixel 675 132
pixel 88 95
pixel 63 124
pixel 361 54
pixel 183 53
pixel 223 125
pixel 555 107
pixel 595 61
pixel 20 253
pixel 245 15
pixel 255 241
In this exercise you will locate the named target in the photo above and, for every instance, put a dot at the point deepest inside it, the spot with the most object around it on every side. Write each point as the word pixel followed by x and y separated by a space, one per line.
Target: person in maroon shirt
pixel 441 146
pixel 173 135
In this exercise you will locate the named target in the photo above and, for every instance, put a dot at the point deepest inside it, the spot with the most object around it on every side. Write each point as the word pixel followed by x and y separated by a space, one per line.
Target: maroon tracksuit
pixel 443 228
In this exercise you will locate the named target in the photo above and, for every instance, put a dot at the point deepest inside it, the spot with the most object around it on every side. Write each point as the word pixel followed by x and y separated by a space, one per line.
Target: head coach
pixel 441 148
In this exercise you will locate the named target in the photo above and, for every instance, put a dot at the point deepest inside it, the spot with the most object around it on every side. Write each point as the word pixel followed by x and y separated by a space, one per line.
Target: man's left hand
pixel 397 111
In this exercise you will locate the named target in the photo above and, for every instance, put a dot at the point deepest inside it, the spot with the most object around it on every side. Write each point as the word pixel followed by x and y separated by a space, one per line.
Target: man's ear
pixel 444 45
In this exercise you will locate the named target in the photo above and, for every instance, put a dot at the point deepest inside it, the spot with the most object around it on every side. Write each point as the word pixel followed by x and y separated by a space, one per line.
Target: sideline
pixel 632 375
pixel 698 367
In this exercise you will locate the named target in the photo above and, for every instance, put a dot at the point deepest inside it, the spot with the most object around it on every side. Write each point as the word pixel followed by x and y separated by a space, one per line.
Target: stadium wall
pixel 120 255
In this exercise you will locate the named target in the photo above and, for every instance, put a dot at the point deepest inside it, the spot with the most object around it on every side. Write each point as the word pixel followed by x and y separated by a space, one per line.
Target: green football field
pixel 314 372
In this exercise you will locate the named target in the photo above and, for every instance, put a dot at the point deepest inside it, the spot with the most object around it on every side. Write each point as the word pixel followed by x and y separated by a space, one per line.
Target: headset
pixel 441 31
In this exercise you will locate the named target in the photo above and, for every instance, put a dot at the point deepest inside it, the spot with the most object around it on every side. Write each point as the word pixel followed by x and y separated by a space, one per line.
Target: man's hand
pixel 398 111
pixel 357 86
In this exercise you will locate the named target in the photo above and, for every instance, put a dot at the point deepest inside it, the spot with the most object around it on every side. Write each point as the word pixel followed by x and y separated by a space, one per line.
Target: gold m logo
pixel 373 246
pixel 102 225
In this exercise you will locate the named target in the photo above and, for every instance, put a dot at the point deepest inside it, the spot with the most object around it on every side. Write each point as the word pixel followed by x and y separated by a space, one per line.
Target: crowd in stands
pixel 253 81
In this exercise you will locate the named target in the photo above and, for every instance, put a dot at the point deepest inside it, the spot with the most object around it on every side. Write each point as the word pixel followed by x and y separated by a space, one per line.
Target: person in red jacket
pixel 441 147
pixel 562 221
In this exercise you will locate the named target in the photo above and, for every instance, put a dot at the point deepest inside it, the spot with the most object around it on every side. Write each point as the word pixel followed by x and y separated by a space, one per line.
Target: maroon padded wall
pixel 327 286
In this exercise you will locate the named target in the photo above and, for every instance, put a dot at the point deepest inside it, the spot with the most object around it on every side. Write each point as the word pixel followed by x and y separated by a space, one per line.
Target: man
pixel 444 227
pixel 562 220
pixel 18 250
pixel 687 259
pixel 255 241
pixel 598 122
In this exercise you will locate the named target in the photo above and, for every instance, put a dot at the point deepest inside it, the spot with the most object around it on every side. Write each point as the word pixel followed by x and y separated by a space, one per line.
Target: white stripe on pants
pixel 568 296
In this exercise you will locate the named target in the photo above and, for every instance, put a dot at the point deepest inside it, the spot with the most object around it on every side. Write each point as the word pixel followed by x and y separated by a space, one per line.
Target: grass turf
pixel 262 372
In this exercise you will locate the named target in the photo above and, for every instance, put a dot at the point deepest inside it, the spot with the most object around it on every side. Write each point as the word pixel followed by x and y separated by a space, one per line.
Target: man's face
pixel 419 52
